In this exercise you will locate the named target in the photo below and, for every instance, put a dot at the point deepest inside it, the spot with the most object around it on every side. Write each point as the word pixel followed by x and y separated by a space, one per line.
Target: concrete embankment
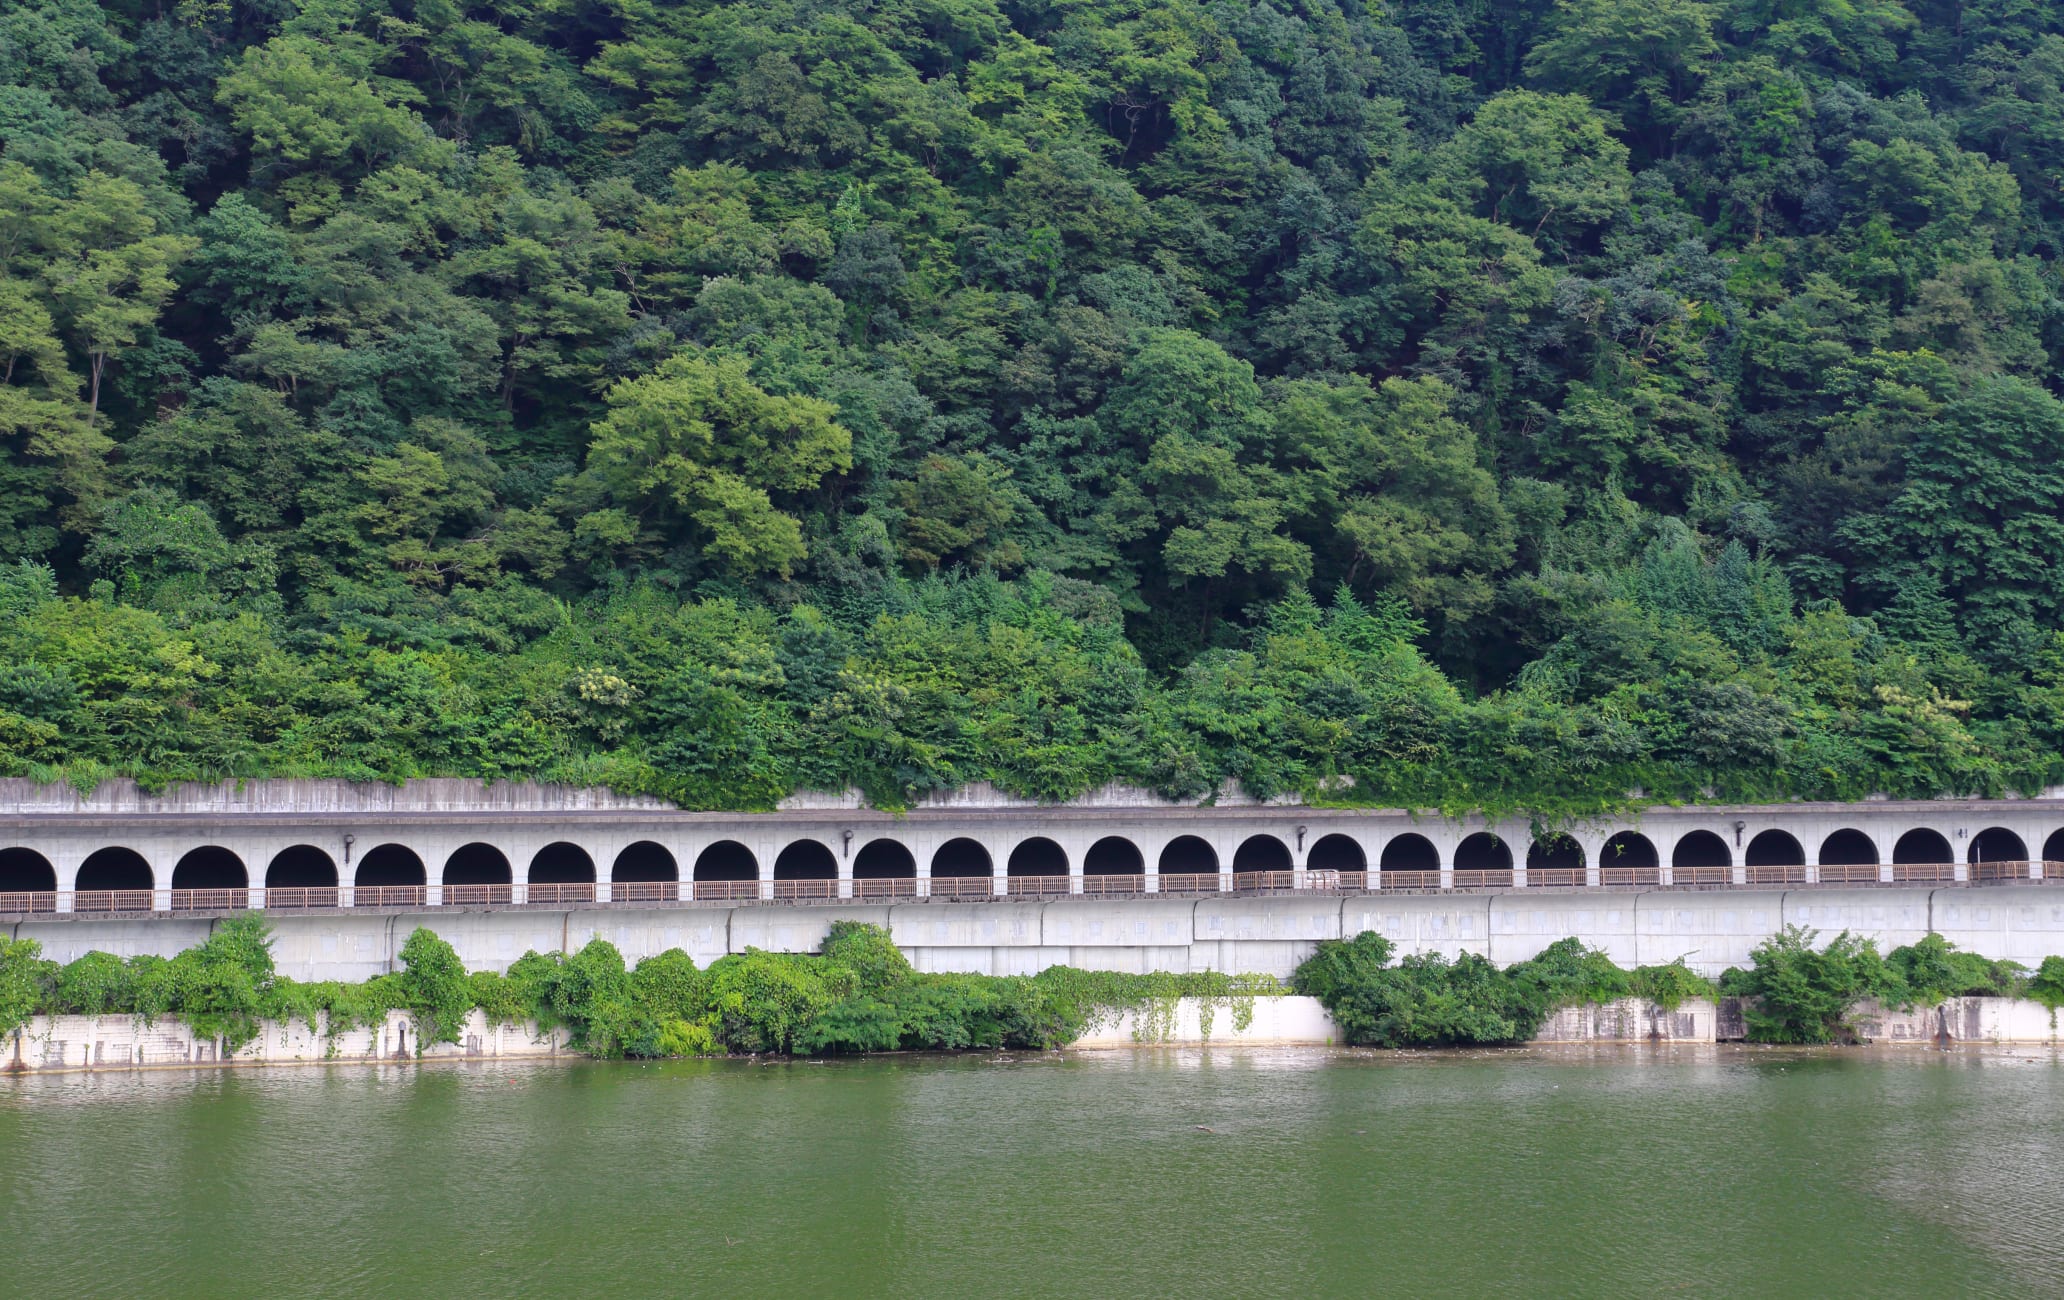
pixel 57 1044
pixel 1241 935
pixel 1295 1021
pixel 49 1044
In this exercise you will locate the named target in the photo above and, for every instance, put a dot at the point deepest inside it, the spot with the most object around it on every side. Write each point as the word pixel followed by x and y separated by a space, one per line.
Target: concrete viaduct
pixel 323 844
pixel 979 882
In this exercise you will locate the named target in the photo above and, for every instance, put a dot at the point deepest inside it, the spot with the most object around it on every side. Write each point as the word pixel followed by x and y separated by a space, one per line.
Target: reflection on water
pixel 1156 1172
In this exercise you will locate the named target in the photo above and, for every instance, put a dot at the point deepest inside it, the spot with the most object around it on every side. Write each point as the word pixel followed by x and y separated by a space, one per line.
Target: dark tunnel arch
pixel 1038 856
pixel 1410 852
pixel 210 867
pixel 1114 855
pixel 301 866
pixel 644 862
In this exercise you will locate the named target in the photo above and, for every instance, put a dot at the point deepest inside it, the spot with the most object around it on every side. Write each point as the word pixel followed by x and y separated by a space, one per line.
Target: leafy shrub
pixel 861 1024
pixel 2047 986
pixel 1796 993
pixel 1566 973
pixel 25 978
pixel 763 1000
pixel 96 984
pixel 869 952
pixel 499 998
pixel 1670 985
pixel 437 989
pixel 1933 969
pixel 219 987
pixel 1426 1000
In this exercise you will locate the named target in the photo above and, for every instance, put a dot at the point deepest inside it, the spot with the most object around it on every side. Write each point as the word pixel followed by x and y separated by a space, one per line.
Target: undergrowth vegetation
pixel 1792 991
pixel 1430 1000
pixel 860 994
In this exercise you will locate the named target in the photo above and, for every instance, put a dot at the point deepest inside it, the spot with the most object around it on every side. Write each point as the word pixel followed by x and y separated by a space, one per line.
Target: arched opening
pixel 1555 859
pixel 1848 848
pixel 1629 858
pixel 805 869
pixel 1336 853
pixel 1483 859
pixel 1922 854
pixel 884 860
pixel 475 865
pixel 1699 856
pixel 730 860
pixel 301 875
pixel 478 873
pixel 961 866
pixel 114 880
pixel 728 869
pixel 1187 855
pixel 1189 865
pixel 1114 865
pixel 24 872
pixel 1411 859
pixel 1998 844
pixel 1848 855
pixel 1261 853
pixel 644 872
pixel 1114 855
pixel 561 863
pixel 214 872
pixel 880 869
pixel 1037 866
pixel 561 873
pixel 1775 857
pixel 2053 847
pixel 391 874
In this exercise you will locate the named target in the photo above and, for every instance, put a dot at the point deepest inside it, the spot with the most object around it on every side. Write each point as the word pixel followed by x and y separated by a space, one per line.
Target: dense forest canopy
pixel 1502 403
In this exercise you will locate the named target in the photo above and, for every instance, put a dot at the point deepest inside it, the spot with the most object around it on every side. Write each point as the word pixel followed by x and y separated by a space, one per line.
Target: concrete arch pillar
pixel 1591 840
pixel 65 857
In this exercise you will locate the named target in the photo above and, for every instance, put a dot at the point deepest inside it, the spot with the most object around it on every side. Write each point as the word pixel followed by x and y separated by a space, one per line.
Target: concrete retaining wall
pixel 62 1043
pixel 1287 1021
pixel 1961 1020
pixel 1240 935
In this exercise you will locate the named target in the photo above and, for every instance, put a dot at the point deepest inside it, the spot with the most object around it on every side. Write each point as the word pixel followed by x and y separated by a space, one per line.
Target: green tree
pixel 698 441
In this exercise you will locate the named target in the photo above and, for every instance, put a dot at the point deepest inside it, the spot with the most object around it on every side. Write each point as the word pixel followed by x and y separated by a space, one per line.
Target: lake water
pixel 1152 1173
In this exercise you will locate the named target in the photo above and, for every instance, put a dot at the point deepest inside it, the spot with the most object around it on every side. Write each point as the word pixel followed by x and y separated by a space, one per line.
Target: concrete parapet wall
pixel 65 1043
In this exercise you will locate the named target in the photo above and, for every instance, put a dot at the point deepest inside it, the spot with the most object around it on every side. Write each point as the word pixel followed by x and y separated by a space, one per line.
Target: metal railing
pixel 990 889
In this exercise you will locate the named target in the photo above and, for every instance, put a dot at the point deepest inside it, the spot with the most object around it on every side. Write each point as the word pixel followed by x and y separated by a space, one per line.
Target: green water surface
pixel 1156 1172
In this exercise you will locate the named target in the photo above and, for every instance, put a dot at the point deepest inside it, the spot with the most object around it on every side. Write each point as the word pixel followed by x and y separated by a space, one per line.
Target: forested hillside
pixel 1495 402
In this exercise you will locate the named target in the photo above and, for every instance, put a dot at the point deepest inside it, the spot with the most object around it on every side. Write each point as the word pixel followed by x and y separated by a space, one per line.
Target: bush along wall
pixel 859 994
pixel 1792 991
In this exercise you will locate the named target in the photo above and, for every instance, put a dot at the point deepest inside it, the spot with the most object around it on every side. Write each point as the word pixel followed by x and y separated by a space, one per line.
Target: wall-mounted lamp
pixel 349 840
pixel 1300 839
pixel 1961 832
pixel 1738 826
pixel 847 850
